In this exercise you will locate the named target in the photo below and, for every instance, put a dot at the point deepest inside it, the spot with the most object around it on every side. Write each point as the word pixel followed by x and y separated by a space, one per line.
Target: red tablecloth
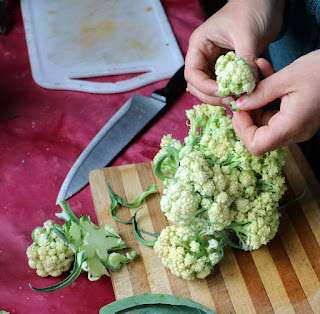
pixel 38 148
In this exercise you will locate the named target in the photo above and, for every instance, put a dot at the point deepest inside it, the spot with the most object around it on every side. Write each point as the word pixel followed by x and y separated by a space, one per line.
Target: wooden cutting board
pixel 282 277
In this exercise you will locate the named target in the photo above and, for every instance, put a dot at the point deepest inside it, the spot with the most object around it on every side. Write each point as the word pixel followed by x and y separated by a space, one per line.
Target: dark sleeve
pixel 313 9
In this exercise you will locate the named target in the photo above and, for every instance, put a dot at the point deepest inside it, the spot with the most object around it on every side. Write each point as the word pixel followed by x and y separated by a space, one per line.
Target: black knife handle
pixel 3 17
pixel 174 87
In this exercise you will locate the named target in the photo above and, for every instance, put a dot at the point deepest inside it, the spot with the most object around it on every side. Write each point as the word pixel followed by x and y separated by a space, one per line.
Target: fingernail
pixel 240 103
pixel 227 100
pixel 216 93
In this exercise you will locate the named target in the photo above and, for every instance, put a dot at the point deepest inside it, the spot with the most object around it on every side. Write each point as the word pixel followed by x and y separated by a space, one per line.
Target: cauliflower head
pixel 217 175
pixel 217 189
pixel 234 75
pixel 48 254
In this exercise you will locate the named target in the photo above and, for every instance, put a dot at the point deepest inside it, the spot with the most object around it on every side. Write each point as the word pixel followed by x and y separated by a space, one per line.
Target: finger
pixel 207 99
pixel 267 90
pixel 256 116
pixel 199 66
pixel 246 50
pixel 260 117
pixel 235 126
pixel 265 67
pixel 259 140
pixel 266 116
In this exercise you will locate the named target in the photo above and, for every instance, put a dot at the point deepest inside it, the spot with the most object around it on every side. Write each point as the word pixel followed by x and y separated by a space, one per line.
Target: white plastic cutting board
pixel 69 40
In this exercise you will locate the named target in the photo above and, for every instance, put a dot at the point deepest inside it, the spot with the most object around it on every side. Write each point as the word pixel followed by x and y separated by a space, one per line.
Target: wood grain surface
pixel 281 277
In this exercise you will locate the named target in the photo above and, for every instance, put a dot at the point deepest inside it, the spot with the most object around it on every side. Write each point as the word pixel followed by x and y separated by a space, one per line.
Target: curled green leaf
pixel 137 233
pixel 157 166
pixel 116 200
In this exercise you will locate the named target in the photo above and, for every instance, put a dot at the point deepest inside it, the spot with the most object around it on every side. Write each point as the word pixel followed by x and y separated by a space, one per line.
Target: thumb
pixel 247 51
pixel 266 91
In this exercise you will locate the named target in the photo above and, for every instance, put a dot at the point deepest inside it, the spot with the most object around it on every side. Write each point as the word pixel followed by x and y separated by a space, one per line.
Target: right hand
pixel 297 85
pixel 245 26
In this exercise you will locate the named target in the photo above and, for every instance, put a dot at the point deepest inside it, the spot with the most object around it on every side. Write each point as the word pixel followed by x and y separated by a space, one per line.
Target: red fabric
pixel 38 148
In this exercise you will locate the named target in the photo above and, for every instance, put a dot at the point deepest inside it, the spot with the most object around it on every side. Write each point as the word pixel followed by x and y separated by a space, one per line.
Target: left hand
pixel 298 120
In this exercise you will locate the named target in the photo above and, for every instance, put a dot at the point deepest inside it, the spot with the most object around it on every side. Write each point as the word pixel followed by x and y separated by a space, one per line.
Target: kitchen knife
pixel 126 123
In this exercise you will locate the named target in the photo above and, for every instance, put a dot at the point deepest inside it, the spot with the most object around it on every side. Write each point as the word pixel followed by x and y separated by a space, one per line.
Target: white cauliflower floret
pixel 180 202
pixel 195 170
pixel 180 251
pixel 48 254
pixel 168 140
pixel 213 243
pixel 194 246
pixel 234 75
pixel 220 215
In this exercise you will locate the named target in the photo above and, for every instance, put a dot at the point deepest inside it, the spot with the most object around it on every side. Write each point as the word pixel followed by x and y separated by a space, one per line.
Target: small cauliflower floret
pixel 242 205
pixel 213 244
pixel 179 249
pixel 220 179
pixel 220 212
pixel 220 215
pixel 195 170
pixel 48 254
pixel 234 75
pixel 180 202
pixel 257 226
pixel 168 140
pixel 247 178
pixel 234 187
pixel 194 246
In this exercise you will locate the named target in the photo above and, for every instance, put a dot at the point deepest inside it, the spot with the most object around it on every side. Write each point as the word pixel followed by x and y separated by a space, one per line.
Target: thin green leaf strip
pixel 301 195
pixel 116 200
pixel 80 258
pixel 155 303
pixel 61 234
pixel 137 234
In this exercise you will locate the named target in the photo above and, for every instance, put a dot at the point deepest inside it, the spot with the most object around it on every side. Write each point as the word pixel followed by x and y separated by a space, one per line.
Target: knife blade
pixel 126 123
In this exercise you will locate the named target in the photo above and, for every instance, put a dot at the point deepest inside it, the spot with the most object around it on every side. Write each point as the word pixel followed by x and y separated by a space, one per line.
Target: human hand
pixel 298 120
pixel 245 26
